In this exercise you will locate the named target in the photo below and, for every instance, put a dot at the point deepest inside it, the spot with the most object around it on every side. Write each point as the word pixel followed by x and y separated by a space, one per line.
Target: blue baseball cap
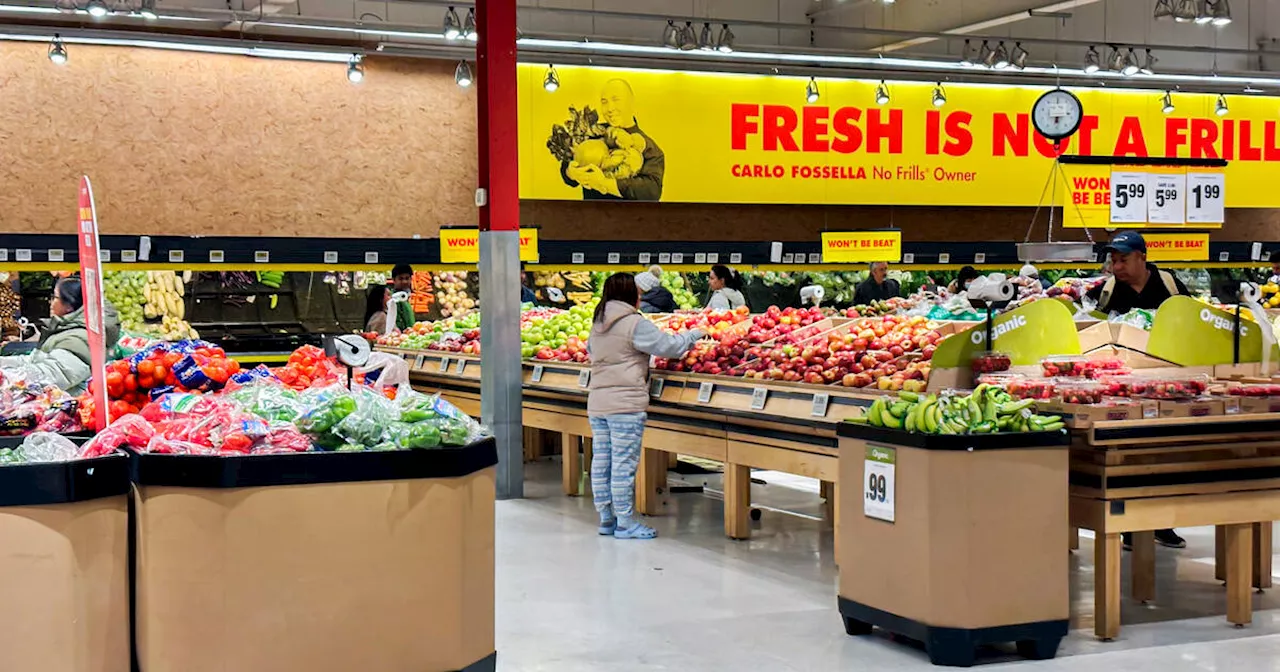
pixel 1126 242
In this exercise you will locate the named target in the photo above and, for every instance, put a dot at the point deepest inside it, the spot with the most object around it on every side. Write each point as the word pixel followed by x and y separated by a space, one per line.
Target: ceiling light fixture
pixel 705 40
pixel 147 10
pixel 811 91
pixel 688 40
pixel 469 26
pixel 1185 11
pixel 355 69
pixel 462 74
pixel 1019 57
pixel 1149 65
pixel 452 26
pixel 966 56
pixel 882 93
pixel 988 54
pixel 57 51
pixel 939 96
pixel 1203 15
pixel 96 9
pixel 671 35
pixel 1115 59
pixel 551 82
pixel 1001 57
pixel 1130 64
pixel 1164 9
pixel 1220 108
pixel 1221 14
pixel 1092 61
pixel 1166 103
pixel 724 41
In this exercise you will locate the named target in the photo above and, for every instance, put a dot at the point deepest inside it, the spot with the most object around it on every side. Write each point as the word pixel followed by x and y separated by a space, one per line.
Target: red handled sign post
pixel 91 289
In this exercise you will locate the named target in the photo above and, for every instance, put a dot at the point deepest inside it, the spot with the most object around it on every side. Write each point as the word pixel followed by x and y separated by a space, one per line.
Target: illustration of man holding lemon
pixel 615 160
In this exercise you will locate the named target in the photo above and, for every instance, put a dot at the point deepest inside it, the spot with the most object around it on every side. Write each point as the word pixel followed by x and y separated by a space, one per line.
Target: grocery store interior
pixel 534 335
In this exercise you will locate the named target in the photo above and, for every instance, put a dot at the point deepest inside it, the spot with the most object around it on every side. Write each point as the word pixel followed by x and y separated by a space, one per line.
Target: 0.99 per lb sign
pixel 878 482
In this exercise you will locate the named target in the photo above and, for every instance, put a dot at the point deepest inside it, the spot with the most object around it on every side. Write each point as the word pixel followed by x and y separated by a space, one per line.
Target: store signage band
pixel 1177 246
pixel 718 138
pixel 462 246
pixel 849 247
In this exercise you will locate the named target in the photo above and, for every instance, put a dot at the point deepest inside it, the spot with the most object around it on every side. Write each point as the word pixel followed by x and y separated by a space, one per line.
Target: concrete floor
pixel 569 600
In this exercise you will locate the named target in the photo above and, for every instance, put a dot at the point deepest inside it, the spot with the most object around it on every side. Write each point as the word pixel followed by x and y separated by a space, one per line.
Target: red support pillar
pixel 496 114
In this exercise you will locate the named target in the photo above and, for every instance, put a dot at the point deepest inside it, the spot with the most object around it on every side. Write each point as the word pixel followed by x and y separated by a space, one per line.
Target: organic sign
pixel 1027 333
pixel 1191 333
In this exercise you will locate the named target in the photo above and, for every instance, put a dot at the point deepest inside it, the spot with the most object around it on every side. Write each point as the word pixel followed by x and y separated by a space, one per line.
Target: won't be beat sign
pixel 610 134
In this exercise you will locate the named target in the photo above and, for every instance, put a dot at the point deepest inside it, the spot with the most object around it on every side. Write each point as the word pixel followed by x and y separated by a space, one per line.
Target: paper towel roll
pixel 991 291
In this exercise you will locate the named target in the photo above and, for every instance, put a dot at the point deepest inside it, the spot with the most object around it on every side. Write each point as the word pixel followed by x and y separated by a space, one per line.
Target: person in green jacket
pixel 62 355
pixel 402 281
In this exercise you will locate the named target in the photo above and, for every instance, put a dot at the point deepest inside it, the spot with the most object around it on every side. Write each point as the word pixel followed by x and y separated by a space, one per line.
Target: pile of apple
pixel 559 335
pixel 784 323
pixel 714 322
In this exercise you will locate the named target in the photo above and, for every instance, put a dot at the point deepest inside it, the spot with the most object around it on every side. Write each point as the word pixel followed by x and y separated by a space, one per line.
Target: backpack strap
pixel 1104 299
pixel 1169 284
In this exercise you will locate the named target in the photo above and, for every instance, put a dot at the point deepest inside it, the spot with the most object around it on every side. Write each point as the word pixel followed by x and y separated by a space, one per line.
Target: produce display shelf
pixel 965 442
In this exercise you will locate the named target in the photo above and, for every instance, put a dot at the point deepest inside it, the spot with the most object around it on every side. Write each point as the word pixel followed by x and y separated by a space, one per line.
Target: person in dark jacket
pixel 618 112
pixel 877 287
pixel 654 298
pixel 402 281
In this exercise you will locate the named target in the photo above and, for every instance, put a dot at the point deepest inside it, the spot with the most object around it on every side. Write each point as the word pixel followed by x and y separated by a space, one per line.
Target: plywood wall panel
pixel 209 144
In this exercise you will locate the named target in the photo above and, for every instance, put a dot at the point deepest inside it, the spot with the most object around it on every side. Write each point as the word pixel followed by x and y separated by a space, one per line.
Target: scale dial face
pixel 1057 114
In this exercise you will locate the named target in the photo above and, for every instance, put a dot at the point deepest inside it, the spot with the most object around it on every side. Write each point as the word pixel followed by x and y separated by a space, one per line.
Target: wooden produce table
pixel 954 540
pixel 1144 475
pixel 316 562
pixel 742 423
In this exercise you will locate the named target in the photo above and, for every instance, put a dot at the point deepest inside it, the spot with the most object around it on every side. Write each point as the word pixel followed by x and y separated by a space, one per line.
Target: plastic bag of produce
pixel 456 428
pixel 369 423
pixel 268 400
pixel 48 447
pixel 391 370
pixel 131 431
pixel 322 408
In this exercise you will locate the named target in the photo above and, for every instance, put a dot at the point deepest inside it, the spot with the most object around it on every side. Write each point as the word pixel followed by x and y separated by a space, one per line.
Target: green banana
pixel 899 409
pixel 889 419
pixel 873 413
pixel 908 395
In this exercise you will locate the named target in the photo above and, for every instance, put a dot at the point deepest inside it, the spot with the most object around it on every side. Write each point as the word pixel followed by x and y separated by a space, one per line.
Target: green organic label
pixel 1027 334
pixel 1191 333
pixel 881 454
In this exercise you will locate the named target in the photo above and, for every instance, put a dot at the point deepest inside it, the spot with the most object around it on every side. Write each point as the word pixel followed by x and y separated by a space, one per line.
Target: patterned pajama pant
pixel 614 459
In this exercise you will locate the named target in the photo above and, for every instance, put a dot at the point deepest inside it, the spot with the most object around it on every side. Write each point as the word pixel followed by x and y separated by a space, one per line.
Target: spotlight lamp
pixel 966 56
pixel 1164 9
pixel 939 95
pixel 1185 11
pixel 988 55
pixel 1220 108
pixel 1166 103
pixel 882 93
pixel 671 35
pixel 811 91
pixel 705 40
pixel 469 26
pixel 96 9
pixel 452 25
pixel 551 81
pixel 57 50
pixel 1130 64
pixel 147 10
pixel 1092 61
pixel 1019 56
pixel 688 39
pixel 724 41
pixel 1001 57
pixel 355 69
pixel 1220 13
pixel 462 74
pixel 1149 64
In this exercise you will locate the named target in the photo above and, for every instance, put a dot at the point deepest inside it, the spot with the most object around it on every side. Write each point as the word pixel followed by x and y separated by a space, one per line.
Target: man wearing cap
pixel 1136 283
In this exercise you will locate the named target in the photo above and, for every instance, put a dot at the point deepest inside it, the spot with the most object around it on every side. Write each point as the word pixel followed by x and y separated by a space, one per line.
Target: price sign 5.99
pixel 1128 197
pixel 1166 202
pixel 1206 197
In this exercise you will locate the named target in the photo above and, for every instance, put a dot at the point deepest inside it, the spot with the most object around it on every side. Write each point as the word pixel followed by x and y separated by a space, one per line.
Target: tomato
pixel 146 367
pixel 114 379
pixel 170 379
pixel 145 381
pixel 130 382
pixel 160 373
pixel 233 367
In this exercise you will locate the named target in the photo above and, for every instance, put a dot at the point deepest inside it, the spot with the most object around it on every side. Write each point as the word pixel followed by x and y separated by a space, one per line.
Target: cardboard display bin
pixel 316 562
pixel 955 541
pixel 64 573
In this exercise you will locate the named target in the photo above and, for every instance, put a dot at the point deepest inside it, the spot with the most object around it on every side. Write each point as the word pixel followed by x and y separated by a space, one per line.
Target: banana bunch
pixel 988 409
pixel 580 298
pixel 579 278
pixel 548 280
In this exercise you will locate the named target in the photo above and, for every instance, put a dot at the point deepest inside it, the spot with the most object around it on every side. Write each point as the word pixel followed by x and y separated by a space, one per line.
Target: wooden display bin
pixel 973 554
pixel 64 573
pixel 316 562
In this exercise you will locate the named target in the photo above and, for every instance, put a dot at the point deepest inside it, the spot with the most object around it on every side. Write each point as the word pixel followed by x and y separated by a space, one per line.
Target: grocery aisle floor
pixel 569 600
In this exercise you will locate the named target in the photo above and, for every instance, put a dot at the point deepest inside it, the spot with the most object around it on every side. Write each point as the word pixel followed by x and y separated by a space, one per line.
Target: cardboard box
pixel 387 575
pixel 1195 408
pixel 1082 416
pixel 1253 404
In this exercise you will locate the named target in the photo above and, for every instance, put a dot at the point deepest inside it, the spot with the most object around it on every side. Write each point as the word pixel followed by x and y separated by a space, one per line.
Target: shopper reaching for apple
pixel 621 342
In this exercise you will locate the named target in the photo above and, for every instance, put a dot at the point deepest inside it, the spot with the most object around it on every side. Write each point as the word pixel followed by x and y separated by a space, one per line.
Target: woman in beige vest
pixel 621 343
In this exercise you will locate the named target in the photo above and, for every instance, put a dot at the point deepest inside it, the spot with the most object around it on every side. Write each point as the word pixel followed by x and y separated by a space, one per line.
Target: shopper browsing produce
pixel 726 289
pixel 402 281
pixel 375 309
pixel 877 287
pixel 620 344
pixel 654 298
pixel 62 355
pixel 1029 271
pixel 967 275
pixel 1134 283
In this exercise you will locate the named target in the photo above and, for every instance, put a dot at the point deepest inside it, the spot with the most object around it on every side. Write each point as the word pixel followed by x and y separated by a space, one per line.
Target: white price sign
pixel 820 402
pixel 1166 199
pixel 1206 198
pixel 704 392
pixel 584 377
pixel 643 258
pixel 444 365
pixel 758 396
pixel 877 482
pixel 1128 197
pixel 655 387
pixel 419 361
pixel 537 373
pixel 460 367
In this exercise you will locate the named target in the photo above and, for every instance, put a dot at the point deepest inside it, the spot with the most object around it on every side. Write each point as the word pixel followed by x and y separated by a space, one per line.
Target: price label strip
pixel 821 401
pixel 538 369
pixel 460 367
pixel 444 365
pixel 655 387
pixel 419 361
pixel 759 395
pixel 584 378
pixel 877 482
pixel 704 392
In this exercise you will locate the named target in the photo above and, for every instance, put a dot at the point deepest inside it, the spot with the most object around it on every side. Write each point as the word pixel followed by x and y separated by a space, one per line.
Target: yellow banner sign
pixel 718 138
pixel 462 246
pixel 846 247
pixel 1177 246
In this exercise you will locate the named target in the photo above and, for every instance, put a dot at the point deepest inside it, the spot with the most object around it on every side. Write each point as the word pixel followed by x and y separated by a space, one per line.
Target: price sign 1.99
pixel 1166 202
pixel 1206 198
pixel 1128 197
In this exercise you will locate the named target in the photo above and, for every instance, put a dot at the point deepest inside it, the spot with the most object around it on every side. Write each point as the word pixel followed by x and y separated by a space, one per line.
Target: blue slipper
pixel 636 531
pixel 607 527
